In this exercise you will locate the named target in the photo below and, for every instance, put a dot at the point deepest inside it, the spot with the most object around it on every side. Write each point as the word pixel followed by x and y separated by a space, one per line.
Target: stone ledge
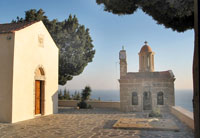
pixel 183 115
pixel 95 104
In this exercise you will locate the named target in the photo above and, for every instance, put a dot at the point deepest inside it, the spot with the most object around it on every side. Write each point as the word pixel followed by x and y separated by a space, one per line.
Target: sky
pixel 173 51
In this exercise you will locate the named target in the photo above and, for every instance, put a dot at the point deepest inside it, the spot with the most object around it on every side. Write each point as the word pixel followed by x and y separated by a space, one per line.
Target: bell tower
pixel 146 59
pixel 123 63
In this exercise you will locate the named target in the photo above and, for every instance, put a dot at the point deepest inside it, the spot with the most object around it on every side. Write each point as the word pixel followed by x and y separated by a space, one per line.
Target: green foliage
pixel 119 6
pixel 155 113
pixel 175 14
pixel 76 51
pixel 89 106
pixel 82 104
pixel 85 95
pixel 77 96
pixel 60 96
pixel 66 95
pixel 74 42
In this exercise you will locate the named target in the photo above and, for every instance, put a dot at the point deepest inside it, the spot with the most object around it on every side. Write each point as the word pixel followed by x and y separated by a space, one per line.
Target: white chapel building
pixel 28 72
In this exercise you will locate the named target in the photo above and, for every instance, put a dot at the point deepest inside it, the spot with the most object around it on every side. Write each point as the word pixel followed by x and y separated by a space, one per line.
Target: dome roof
pixel 146 48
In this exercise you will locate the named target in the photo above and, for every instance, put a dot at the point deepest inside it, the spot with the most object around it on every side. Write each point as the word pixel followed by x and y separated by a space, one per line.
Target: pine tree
pixel 60 96
pixel 85 95
pixel 68 96
pixel 65 95
pixel 77 95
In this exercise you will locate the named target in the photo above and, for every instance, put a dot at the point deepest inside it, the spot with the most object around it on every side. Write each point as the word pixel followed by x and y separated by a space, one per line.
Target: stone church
pixel 28 72
pixel 146 89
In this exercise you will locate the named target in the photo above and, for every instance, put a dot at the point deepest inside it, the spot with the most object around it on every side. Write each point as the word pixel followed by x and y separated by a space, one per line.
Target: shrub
pixel 60 96
pixel 155 113
pixel 85 95
pixel 82 104
pixel 76 96
pixel 89 106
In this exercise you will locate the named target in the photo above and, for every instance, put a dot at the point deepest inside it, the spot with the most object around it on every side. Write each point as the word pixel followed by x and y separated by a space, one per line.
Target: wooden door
pixel 37 97
pixel 42 92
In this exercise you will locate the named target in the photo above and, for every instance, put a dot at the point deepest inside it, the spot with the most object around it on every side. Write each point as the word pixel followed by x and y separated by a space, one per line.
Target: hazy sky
pixel 173 51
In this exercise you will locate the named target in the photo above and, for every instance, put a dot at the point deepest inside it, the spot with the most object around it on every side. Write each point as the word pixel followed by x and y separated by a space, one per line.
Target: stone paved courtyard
pixel 91 123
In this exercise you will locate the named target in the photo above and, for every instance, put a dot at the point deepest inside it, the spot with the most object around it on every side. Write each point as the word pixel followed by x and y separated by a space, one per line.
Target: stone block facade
pixel 146 89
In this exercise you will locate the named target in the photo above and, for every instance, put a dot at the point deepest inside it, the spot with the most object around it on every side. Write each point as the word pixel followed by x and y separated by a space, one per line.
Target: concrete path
pixel 91 123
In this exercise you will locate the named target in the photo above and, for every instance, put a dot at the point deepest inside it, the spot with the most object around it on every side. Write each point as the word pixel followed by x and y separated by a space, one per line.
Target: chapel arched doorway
pixel 39 91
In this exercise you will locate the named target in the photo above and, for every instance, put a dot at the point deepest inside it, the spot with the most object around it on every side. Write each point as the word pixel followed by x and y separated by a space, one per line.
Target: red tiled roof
pixel 12 27
pixel 145 48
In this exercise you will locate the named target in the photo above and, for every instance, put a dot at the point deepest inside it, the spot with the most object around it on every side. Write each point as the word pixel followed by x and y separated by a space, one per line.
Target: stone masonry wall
pixel 128 86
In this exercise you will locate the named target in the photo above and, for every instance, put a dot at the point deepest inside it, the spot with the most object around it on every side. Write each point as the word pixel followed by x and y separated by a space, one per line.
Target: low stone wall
pixel 95 104
pixel 184 115
pixel 67 103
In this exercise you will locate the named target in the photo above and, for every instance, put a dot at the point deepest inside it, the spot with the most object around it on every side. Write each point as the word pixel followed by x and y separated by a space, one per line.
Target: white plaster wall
pixel 28 56
pixel 6 71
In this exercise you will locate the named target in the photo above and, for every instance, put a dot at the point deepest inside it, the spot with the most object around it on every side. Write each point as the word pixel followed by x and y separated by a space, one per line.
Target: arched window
pixel 147 101
pixel 134 98
pixel 160 98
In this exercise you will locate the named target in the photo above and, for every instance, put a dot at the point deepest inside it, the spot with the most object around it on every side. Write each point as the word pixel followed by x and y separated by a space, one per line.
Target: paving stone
pixel 92 123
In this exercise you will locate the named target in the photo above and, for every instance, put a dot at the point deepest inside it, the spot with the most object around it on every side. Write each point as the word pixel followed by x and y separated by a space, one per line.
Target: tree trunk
pixel 196 74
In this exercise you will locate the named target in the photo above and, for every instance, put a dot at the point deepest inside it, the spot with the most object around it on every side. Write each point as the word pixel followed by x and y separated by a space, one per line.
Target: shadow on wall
pixel 55 102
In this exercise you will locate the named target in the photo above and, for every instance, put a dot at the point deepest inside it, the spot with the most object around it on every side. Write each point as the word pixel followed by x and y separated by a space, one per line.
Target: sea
pixel 183 98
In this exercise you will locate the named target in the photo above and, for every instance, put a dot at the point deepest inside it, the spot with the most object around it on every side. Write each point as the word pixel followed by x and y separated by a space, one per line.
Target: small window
pixel 160 98
pixel 134 98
